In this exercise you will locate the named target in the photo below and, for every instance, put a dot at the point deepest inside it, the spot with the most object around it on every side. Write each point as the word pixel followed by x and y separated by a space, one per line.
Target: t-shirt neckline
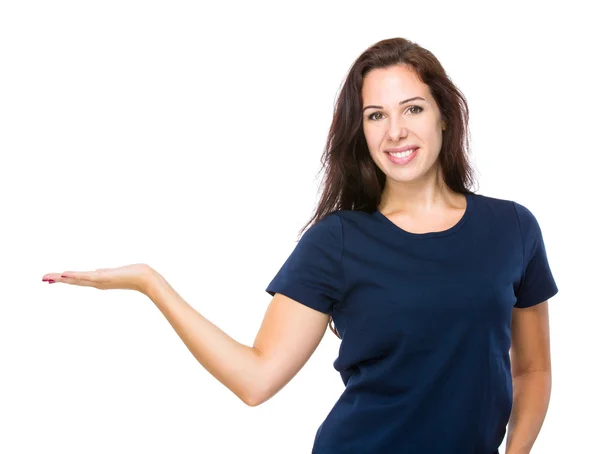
pixel 466 215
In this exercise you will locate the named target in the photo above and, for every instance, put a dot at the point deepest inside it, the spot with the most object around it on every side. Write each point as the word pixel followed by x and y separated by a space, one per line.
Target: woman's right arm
pixel 288 336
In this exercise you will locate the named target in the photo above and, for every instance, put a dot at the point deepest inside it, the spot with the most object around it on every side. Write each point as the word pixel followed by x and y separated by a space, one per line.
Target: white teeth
pixel 404 154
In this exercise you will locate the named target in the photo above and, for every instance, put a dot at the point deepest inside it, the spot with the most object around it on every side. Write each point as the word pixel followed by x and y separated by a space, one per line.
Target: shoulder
pixel 524 214
pixel 494 203
pixel 339 228
pixel 531 233
pixel 506 206
pixel 528 227
pixel 331 223
pixel 353 216
pixel 335 221
pixel 326 232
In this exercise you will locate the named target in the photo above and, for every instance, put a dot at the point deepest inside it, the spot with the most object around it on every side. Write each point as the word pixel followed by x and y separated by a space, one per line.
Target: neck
pixel 419 196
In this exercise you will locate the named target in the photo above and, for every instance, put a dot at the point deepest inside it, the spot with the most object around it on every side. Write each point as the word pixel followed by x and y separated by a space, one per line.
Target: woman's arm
pixel 234 364
pixel 532 377
pixel 530 403
pixel 288 336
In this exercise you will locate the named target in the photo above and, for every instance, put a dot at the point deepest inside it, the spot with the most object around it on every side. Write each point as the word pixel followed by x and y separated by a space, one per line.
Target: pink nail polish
pixel 50 281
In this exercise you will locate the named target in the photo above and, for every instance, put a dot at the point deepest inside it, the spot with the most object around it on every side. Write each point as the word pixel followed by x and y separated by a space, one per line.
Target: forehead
pixel 386 84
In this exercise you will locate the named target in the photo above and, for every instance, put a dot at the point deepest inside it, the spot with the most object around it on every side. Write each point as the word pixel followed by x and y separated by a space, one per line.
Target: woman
pixel 428 283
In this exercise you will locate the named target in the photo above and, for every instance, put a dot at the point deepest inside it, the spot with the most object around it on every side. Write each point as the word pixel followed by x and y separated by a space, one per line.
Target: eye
pixel 370 117
pixel 420 109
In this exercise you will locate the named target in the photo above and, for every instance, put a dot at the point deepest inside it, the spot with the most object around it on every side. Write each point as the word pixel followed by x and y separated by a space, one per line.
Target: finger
pixel 80 275
pixel 78 281
pixel 71 278
pixel 54 277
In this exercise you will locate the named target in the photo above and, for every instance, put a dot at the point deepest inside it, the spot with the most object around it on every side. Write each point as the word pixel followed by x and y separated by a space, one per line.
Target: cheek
pixel 373 136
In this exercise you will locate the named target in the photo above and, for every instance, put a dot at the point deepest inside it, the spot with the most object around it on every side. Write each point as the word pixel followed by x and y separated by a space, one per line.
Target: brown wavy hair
pixel 352 180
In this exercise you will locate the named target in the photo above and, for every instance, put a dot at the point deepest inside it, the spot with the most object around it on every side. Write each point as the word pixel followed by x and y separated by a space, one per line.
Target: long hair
pixel 352 180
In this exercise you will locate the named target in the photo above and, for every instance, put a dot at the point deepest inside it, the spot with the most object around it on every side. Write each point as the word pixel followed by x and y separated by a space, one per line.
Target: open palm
pixel 129 277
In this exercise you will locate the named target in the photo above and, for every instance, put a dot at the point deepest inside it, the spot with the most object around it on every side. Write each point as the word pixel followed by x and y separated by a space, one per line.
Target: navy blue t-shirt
pixel 425 323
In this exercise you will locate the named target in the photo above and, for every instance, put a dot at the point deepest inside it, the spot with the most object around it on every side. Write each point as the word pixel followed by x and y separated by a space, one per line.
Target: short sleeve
pixel 312 274
pixel 537 283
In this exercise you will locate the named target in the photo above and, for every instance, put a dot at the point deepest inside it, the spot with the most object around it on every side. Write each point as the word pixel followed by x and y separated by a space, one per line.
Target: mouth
pixel 402 157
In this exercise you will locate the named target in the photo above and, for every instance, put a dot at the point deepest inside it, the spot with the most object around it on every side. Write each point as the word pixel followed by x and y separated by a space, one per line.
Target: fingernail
pixel 45 279
pixel 50 281
pixel 64 276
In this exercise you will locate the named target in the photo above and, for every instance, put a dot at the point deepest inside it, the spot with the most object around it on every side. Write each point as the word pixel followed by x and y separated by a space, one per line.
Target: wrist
pixel 148 281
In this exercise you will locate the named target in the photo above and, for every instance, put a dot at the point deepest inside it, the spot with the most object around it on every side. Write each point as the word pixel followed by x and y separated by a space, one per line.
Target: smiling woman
pixel 421 276
pixel 433 288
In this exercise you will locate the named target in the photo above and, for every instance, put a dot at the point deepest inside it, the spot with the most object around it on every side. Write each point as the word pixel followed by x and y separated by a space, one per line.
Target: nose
pixel 396 130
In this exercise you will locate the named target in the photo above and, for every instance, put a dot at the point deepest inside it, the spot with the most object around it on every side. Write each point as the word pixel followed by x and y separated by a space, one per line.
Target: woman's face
pixel 394 123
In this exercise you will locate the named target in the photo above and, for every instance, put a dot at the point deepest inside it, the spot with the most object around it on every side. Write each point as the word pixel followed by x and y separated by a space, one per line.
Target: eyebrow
pixel 403 102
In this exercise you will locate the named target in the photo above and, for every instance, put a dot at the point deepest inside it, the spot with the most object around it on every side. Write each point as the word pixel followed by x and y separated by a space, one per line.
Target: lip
pixel 400 149
pixel 405 160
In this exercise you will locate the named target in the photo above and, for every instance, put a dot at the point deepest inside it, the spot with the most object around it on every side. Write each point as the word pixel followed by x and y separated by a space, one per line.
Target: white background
pixel 188 136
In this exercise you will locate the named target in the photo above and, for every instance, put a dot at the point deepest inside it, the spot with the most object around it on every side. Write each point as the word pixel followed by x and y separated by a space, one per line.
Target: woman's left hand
pixel 129 277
